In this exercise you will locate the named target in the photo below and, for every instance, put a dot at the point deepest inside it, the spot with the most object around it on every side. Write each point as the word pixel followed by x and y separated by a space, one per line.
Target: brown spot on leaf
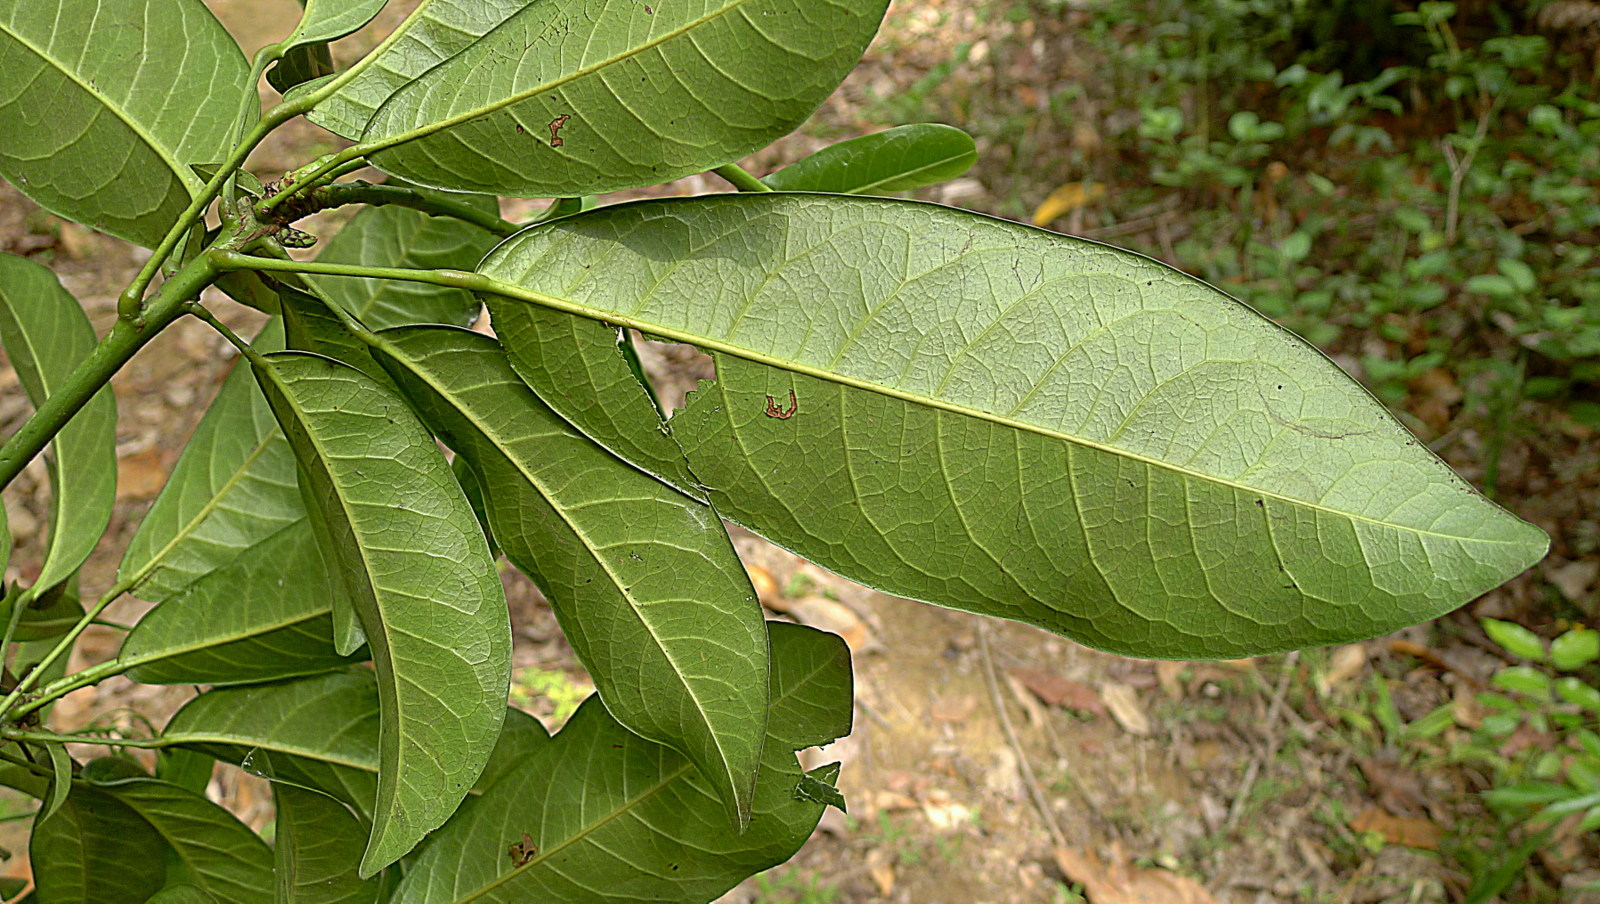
pixel 555 126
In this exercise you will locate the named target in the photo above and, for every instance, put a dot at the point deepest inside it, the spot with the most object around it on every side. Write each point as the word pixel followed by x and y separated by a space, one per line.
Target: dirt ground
pixel 991 762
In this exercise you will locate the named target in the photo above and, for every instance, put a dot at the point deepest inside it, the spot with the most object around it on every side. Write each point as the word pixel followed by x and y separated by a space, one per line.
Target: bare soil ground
pixel 991 762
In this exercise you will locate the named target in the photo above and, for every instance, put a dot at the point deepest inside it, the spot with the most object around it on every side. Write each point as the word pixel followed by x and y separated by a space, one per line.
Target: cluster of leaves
pixel 941 405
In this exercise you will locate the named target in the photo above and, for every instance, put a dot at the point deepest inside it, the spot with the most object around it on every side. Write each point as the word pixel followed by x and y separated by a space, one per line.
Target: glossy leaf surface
pixel 576 97
pixel 322 732
pixel 233 488
pixel 104 105
pixel 96 850
pixel 46 335
pixel 393 236
pixel 316 848
pixel 576 367
pixel 434 32
pixel 418 573
pixel 221 854
pixel 644 580
pixel 897 159
pixel 261 617
pixel 616 818
pixel 994 418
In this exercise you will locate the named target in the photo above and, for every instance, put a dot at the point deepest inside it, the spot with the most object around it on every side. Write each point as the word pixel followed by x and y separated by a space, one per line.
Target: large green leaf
pixel 418 572
pixel 46 335
pixel 96 850
pixel 104 105
pixel 317 846
pixel 221 855
pixel 181 894
pixel 50 614
pixel 233 488
pixel 393 236
pixel 615 818
pixel 576 97
pixel 1008 421
pixel 643 579
pixel 435 31
pixel 321 732
pixel 897 159
pixel 261 617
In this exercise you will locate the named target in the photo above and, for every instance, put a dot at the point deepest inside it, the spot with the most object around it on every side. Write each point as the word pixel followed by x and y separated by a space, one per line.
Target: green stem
pixel 739 178
pixel 18 605
pixel 60 649
pixel 127 336
pixel 36 768
pixel 265 57
pixel 19 735
pixel 342 193
pixel 82 678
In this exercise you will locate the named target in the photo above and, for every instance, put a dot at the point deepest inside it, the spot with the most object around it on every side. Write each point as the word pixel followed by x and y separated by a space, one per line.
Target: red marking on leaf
pixel 774 411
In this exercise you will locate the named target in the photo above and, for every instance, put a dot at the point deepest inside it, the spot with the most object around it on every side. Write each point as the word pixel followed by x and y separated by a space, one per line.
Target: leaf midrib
pixel 211 505
pixel 133 125
pixel 425 131
pixel 218 640
pixel 672 334
pixel 623 808
pixel 627 593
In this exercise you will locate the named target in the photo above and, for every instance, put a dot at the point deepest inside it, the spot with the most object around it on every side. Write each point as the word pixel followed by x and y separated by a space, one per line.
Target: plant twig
pixel 1270 724
pixel 61 647
pixel 739 178
pixel 143 743
pixel 1459 168
pixel 339 194
pixel 1023 765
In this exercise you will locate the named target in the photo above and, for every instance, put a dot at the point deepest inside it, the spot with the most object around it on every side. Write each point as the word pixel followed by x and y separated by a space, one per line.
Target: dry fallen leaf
pixel 1026 699
pixel 1120 883
pixel 140 475
pixel 1399 789
pixel 881 870
pixel 1124 704
pixel 1409 831
pixel 828 615
pixel 1065 200
pixel 1345 664
pixel 1058 691
pixel 1168 674
pixel 1573 579
pixel 762 579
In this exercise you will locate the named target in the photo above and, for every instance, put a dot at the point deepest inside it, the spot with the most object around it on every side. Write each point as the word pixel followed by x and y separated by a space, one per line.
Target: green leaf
pixel 1018 423
pixel 644 580
pixel 46 335
pixel 1517 640
pixel 418 573
pixel 312 326
pixel 305 50
pixel 1575 649
pixel 577 367
pixel 221 854
pixel 305 63
pixel 187 769
pixel 320 732
pixel 616 818
pixel 393 236
pixel 232 489
pixel 261 617
pixel 1523 679
pixel 318 844
pixel 575 97
pixel 434 32
pixel 1574 691
pixel 50 614
pixel 323 729
pixel 60 779
pixel 96 850
pixel 898 159
pixel 105 105
pixel 181 894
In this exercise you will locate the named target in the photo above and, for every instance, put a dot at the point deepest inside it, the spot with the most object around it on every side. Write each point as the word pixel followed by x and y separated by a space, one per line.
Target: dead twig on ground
pixel 1023 765
pixel 1274 710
